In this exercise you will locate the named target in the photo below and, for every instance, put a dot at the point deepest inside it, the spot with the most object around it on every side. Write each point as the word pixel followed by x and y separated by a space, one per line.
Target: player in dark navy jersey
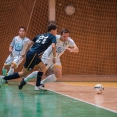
pixel 39 44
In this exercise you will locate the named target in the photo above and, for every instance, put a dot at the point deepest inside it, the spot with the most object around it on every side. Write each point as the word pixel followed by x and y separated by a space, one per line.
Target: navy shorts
pixel 32 59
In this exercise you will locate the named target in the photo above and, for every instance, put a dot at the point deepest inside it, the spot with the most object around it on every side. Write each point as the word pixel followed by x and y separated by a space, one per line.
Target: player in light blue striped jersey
pixel 17 50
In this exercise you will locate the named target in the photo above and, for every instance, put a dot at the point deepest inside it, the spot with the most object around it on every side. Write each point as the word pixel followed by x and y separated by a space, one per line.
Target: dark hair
pixel 64 31
pixel 51 26
pixel 22 27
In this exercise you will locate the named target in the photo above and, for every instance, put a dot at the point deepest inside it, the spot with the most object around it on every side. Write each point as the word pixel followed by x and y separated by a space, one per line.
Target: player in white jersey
pixel 17 49
pixel 64 42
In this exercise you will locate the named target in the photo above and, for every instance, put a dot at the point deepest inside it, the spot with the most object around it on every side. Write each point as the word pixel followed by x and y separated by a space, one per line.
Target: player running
pixel 17 49
pixel 39 44
pixel 64 42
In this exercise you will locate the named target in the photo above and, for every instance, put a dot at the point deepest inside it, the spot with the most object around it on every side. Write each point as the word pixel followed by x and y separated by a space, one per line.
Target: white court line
pixel 79 99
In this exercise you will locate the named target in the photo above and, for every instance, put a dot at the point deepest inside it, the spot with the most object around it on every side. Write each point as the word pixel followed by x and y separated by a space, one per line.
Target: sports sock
pixel 4 71
pixel 50 78
pixel 39 77
pixel 11 71
pixel 13 76
pixel 31 76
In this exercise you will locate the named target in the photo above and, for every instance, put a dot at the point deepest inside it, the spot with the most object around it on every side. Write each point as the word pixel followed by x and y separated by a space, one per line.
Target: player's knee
pixel 6 66
pixel 13 66
pixel 58 76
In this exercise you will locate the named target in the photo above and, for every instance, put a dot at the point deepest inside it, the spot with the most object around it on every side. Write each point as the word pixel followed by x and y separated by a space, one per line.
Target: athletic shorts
pixel 32 59
pixel 16 60
pixel 49 62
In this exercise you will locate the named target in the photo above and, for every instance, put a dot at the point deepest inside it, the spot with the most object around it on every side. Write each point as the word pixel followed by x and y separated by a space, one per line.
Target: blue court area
pixel 30 103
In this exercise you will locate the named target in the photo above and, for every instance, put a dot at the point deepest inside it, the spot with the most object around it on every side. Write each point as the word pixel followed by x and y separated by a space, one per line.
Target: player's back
pixel 42 42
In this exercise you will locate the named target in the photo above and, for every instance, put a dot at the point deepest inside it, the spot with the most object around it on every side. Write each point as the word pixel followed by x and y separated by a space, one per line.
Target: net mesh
pixel 32 14
pixel 93 27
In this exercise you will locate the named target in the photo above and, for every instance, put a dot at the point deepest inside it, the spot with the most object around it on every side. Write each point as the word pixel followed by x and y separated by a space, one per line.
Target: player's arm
pixel 54 49
pixel 73 49
pixel 30 43
pixel 54 52
pixel 72 46
pixel 10 49
pixel 12 45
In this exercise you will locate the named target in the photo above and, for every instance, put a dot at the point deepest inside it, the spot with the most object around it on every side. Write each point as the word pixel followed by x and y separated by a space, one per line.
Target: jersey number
pixel 42 39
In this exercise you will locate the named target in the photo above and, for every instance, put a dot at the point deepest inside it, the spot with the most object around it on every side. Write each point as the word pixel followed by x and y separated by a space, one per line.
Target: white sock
pixel 11 71
pixel 4 71
pixel 31 76
pixel 50 78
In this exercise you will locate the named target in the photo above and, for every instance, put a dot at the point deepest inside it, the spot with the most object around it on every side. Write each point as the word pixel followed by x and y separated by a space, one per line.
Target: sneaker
pixel 36 88
pixel 21 84
pixel 6 83
pixel 2 81
pixel 41 87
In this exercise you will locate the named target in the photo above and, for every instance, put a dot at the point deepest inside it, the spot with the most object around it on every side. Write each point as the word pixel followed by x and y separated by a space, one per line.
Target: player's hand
pixel 69 49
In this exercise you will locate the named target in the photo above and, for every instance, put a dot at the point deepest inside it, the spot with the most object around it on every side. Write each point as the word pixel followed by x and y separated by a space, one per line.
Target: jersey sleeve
pixel 28 41
pixel 71 43
pixel 13 42
pixel 53 39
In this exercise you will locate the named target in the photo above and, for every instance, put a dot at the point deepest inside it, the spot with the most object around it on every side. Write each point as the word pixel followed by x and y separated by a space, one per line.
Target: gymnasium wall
pixel 93 27
pixel 16 13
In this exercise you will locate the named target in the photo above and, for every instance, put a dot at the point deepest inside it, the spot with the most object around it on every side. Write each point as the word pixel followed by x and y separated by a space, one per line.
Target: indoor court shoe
pixel 36 88
pixel 2 81
pixel 41 87
pixel 21 84
pixel 6 83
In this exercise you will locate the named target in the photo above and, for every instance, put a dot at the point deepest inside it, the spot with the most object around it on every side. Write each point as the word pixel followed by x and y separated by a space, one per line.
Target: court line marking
pixel 82 85
pixel 79 99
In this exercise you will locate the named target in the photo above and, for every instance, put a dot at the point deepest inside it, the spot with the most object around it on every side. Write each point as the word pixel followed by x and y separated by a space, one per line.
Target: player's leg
pixel 48 62
pixel 39 73
pixel 29 64
pixel 16 75
pixel 57 73
pixel 53 77
pixel 17 60
pixel 33 74
pixel 7 64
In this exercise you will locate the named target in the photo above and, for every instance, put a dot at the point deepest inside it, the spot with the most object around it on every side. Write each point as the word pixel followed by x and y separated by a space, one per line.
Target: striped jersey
pixel 19 45
pixel 60 47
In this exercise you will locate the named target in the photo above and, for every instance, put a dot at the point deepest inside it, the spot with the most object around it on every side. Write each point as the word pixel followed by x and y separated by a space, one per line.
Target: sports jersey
pixel 19 45
pixel 60 47
pixel 42 42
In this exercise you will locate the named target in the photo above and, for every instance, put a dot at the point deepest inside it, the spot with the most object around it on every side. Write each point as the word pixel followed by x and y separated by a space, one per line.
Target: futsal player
pixel 39 44
pixel 64 42
pixel 17 50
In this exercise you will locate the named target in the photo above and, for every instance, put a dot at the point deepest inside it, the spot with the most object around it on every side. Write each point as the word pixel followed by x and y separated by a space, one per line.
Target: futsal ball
pixel 98 88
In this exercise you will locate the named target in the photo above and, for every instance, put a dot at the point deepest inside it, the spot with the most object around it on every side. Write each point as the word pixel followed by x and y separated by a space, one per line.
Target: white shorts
pixel 49 62
pixel 13 59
